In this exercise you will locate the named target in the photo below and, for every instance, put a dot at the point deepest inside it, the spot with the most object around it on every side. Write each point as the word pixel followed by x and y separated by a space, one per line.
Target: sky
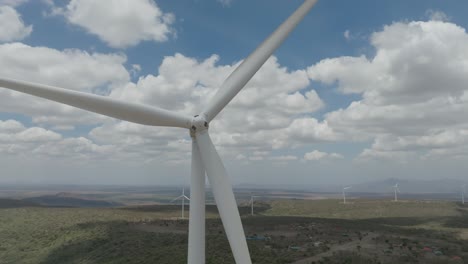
pixel 362 90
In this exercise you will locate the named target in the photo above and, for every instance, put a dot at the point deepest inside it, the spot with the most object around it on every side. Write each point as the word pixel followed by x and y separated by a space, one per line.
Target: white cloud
pixel 12 2
pixel 433 140
pixel 225 2
pixel 75 148
pixel 347 34
pixel 437 15
pixel 136 68
pixel 12 126
pixel 259 119
pixel 71 69
pixel 310 129
pixel 394 156
pixel 268 114
pixel 284 158
pixel 414 93
pixel 16 139
pixel 120 23
pixel 318 155
pixel 12 26
pixel 350 73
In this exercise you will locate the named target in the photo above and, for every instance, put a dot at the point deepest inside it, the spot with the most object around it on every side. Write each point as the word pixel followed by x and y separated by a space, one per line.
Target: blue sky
pixel 361 90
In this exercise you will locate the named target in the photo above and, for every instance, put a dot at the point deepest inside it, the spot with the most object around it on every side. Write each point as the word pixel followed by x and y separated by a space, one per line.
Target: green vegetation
pixel 362 209
pixel 30 235
pixel 323 231
pixel 14 203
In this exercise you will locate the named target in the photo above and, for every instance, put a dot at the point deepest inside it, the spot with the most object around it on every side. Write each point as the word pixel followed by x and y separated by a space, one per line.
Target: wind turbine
pixel 183 198
pixel 396 190
pixel 205 158
pixel 344 193
pixel 252 204
pixel 463 193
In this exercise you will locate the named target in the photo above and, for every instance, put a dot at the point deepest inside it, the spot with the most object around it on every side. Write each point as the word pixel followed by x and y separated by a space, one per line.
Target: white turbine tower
pixel 344 193
pixel 252 204
pixel 463 191
pixel 396 190
pixel 183 198
pixel 205 158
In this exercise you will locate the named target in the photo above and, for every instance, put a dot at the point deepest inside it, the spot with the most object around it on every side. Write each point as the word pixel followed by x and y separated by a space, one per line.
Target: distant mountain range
pixel 68 200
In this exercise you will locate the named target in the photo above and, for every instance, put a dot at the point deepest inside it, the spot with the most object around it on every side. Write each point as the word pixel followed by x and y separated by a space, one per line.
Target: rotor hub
pixel 199 123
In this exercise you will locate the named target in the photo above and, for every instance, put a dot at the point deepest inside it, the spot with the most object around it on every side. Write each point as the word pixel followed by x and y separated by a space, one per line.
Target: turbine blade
pixel 175 199
pixel 224 197
pixel 186 197
pixel 242 74
pixel 132 112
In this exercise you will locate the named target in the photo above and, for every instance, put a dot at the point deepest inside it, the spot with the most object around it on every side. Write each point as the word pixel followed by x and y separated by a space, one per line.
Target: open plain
pixel 280 231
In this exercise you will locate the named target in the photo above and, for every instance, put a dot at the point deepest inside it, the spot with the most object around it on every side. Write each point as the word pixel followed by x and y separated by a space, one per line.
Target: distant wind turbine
pixel 183 198
pixel 463 193
pixel 344 193
pixel 396 190
pixel 205 158
pixel 252 204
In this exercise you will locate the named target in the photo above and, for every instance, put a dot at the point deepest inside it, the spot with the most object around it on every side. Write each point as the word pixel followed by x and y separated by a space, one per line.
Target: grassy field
pixel 30 235
pixel 151 234
pixel 362 209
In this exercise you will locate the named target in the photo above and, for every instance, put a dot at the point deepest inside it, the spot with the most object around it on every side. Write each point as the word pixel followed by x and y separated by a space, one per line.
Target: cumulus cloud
pixel 225 2
pixel 12 2
pixel 71 69
pixel 269 114
pixel 283 158
pixel 347 34
pixel 437 15
pixel 310 129
pixel 12 26
pixel 16 139
pixel 13 132
pixel 319 155
pixel 120 23
pixel 414 93
pixel 403 157
pixel 260 119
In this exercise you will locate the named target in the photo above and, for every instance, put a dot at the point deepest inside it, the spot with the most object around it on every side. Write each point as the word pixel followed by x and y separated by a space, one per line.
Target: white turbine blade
pixel 185 197
pixel 175 199
pixel 224 197
pixel 239 78
pixel 135 113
